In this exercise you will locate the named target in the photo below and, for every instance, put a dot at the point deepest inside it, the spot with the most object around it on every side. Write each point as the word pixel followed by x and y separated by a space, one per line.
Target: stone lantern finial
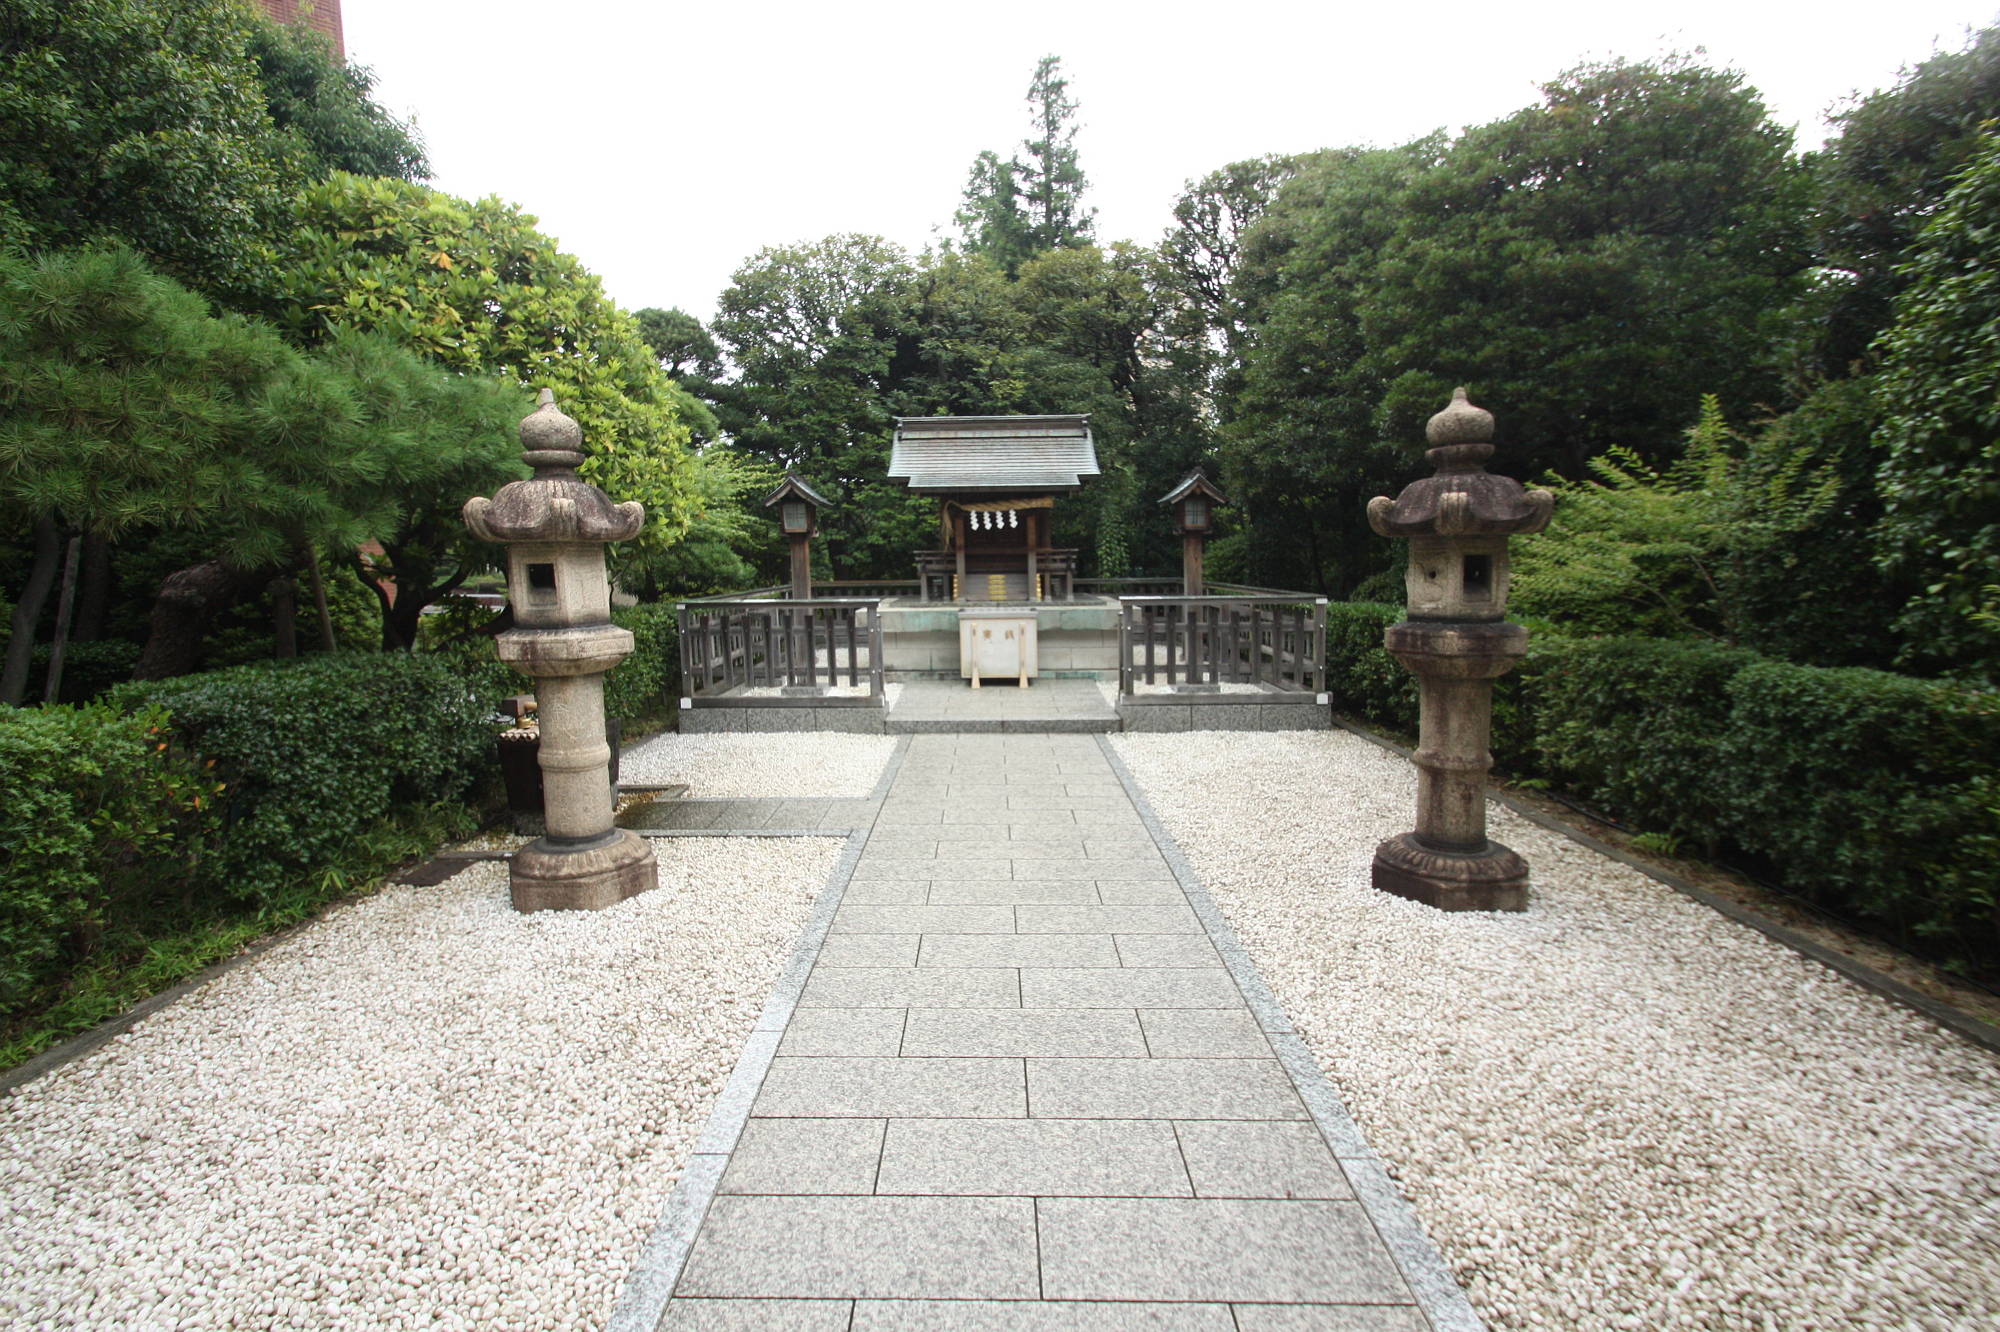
pixel 1460 422
pixel 550 440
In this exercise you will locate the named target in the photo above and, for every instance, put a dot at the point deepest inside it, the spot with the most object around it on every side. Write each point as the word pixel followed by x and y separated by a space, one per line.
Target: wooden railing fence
pixel 1275 641
pixel 781 643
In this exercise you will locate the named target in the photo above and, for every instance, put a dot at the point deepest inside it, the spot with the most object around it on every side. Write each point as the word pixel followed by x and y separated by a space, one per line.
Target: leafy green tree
pixel 1592 265
pixel 1201 254
pixel 322 104
pixel 990 216
pixel 732 543
pixel 125 403
pixel 1939 389
pixel 685 349
pixel 120 118
pixel 130 407
pixel 1048 176
pixel 814 330
pixel 1301 451
pixel 475 287
pixel 1879 181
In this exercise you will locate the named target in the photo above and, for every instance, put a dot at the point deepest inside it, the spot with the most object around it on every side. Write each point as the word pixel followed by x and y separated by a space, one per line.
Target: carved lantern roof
pixel 1461 498
pixel 1195 482
pixel 554 504
pixel 794 487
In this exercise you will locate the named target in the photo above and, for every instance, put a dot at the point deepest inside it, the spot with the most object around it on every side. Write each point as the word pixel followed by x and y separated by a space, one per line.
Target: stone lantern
pixel 555 526
pixel 1457 642
pixel 1194 503
pixel 798 513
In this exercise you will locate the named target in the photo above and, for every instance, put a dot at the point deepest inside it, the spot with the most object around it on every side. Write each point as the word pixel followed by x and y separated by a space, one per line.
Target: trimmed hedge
pixel 1361 676
pixel 648 681
pixel 100 808
pixel 1875 795
pixel 1637 726
pixel 317 752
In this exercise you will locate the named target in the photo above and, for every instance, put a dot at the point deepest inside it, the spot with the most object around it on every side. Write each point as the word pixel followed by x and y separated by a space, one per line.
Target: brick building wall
pixel 321 14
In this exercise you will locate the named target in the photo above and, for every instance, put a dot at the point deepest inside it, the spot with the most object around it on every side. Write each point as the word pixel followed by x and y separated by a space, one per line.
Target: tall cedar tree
pixel 1032 202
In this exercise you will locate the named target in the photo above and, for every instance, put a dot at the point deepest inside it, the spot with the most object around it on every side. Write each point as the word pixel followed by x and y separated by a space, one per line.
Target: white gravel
pixel 785 764
pixel 1618 1109
pixel 423 1111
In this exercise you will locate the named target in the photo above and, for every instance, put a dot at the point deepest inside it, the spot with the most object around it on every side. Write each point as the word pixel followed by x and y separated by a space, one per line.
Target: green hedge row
pixel 100 808
pixel 317 750
pixel 1875 795
pixel 207 797
pixel 648 681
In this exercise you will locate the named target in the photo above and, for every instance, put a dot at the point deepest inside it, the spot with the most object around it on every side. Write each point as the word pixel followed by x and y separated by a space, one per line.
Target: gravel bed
pixel 423 1111
pixel 738 764
pixel 1618 1109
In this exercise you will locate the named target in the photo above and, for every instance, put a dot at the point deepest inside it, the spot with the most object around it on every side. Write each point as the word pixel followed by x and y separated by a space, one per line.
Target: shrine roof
pixel 960 454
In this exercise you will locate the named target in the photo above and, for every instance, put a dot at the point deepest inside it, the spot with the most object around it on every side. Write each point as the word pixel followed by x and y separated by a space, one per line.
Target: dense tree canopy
pixel 1940 391
pixel 322 104
pixel 143 121
pixel 476 287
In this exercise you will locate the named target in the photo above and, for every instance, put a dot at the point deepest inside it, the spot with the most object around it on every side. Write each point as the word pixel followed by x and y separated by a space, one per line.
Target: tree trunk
pixel 93 594
pixel 188 602
pixel 284 618
pixel 28 612
pixel 65 604
pixel 319 599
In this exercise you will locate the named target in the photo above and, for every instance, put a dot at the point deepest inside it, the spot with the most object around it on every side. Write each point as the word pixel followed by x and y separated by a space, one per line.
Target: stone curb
pixel 1423 1268
pixel 643 1301
pixel 1983 1034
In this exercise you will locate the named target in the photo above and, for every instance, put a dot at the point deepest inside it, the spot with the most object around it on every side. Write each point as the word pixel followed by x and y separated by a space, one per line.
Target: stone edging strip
pixel 1423 1268
pixel 1983 1034
pixel 643 1301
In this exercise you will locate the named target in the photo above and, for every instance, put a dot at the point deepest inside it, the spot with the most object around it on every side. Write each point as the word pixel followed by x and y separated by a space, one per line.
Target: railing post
pixel 1318 684
pixel 875 652
pixel 1124 648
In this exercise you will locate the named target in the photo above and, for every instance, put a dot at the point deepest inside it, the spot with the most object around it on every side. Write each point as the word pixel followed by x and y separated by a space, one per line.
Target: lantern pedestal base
pixel 552 876
pixel 1491 880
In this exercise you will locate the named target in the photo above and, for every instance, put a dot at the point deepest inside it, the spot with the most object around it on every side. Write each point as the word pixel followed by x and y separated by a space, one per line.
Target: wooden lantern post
pixel 1194 502
pixel 798 513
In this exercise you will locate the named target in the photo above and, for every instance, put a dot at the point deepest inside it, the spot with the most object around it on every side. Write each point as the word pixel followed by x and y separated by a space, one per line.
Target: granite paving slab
pixel 1016 1084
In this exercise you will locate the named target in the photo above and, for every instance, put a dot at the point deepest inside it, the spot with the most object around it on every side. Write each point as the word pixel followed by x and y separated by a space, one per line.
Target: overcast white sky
pixel 663 143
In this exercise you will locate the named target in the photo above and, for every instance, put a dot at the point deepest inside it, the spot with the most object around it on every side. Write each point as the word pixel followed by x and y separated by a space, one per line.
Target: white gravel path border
pixel 1618 1109
pixel 424 1111
pixel 740 764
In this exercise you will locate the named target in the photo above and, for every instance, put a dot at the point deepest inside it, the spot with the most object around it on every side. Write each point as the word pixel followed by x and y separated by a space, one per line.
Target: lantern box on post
pixel 798 507
pixel 1194 502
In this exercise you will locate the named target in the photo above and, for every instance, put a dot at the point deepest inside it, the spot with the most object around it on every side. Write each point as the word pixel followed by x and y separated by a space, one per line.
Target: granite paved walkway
pixel 1022 1087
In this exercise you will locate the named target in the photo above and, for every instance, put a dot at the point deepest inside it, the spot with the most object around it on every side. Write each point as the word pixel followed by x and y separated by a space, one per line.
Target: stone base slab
pixel 849 720
pixel 547 877
pixel 1218 716
pixel 1492 880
